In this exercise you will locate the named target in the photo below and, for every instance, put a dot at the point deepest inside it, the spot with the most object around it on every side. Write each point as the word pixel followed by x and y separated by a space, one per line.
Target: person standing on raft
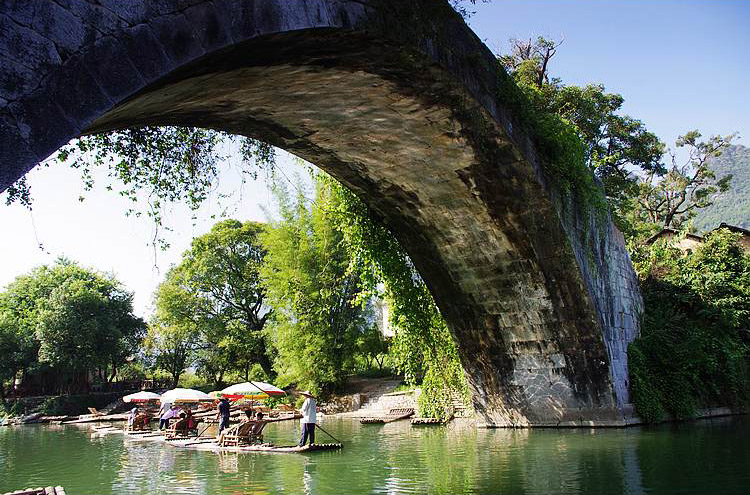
pixel 223 414
pixel 308 418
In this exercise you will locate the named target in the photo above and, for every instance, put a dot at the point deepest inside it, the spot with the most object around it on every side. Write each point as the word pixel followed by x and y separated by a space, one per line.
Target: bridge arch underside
pixel 541 322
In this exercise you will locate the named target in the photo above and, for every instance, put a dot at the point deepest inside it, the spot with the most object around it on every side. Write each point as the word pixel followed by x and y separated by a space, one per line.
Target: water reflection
pixel 703 457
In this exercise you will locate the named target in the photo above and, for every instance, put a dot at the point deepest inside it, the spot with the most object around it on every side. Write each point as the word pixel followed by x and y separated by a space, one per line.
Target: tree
pixel 693 349
pixel 87 324
pixel 373 346
pixel 216 288
pixel 617 147
pixel 314 290
pixel 172 348
pixel 71 319
pixel 671 198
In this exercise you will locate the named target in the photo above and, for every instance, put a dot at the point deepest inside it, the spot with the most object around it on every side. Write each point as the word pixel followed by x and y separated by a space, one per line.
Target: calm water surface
pixel 695 458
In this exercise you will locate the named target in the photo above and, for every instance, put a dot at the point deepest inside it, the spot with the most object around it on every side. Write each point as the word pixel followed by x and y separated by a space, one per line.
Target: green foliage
pixel 87 322
pixel 17 350
pixel 732 206
pixel 674 195
pixel 691 352
pixel 550 125
pixel 423 349
pixel 171 348
pixel 314 289
pixel 373 347
pixel 132 371
pixel 155 166
pixel 215 301
pixel 73 405
pixel 197 382
pixel 67 317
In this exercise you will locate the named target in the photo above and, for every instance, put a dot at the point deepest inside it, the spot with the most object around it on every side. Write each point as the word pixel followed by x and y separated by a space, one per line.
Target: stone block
pixel 81 102
pixel 558 360
pixel 14 151
pixel 211 26
pixel 131 12
pixel 151 62
pixel 108 61
pixel 98 20
pixel 54 22
pixel 25 46
pixel 16 79
pixel 177 38
pixel 42 124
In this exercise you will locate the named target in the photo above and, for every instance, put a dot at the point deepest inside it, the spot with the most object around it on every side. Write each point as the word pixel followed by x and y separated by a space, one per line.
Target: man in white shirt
pixel 308 418
pixel 171 413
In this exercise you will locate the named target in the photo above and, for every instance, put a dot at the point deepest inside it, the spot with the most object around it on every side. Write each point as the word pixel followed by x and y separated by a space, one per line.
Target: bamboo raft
pixel 393 415
pixel 269 448
pixel 209 443
pixel 50 490
pixel 430 421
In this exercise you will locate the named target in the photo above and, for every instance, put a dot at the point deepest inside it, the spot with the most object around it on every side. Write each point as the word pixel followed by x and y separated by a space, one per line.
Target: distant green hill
pixel 733 207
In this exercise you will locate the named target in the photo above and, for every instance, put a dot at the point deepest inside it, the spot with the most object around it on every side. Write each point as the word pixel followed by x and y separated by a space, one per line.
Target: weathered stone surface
pixel 397 99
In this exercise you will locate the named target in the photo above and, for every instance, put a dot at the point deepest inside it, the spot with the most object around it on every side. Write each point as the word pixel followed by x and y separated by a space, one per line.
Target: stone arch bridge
pixel 398 100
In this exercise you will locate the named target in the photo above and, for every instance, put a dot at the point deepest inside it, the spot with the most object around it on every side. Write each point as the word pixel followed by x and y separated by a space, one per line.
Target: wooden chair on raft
pixel 140 423
pixel 182 428
pixel 245 433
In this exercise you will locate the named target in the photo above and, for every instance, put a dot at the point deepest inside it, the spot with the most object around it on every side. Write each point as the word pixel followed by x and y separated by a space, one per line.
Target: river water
pixel 702 457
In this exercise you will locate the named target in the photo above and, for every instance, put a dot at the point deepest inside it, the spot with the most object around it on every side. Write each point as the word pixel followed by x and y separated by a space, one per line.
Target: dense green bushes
pixel 693 351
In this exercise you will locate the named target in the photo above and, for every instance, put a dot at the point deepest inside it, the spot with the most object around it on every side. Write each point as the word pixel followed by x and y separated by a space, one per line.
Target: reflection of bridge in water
pixel 401 102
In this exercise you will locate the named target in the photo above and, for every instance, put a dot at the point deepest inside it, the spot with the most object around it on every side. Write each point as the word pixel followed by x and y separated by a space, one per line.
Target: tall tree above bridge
pixel 618 147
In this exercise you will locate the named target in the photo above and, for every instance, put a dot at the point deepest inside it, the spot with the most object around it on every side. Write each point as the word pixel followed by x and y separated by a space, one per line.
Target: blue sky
pixel 679 64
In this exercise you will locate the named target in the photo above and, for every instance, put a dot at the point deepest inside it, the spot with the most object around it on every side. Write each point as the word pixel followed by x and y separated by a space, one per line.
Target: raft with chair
pixel 266 447
pixel 393 415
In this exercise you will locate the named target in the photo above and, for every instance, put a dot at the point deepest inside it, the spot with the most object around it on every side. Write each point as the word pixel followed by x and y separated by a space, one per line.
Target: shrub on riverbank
pixel 693 350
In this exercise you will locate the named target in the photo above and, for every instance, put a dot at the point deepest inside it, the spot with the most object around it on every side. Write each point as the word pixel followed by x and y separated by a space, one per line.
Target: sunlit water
pixel 694 458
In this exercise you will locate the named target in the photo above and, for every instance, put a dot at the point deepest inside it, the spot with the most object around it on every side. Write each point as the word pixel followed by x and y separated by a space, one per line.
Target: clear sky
pixel 679 64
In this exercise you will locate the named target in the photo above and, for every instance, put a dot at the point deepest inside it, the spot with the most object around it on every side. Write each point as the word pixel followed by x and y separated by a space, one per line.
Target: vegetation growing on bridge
pixel 423 348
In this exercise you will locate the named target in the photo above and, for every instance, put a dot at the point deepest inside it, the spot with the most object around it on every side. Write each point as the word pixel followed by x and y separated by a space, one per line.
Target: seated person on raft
pixel 138 420
pixel 183 426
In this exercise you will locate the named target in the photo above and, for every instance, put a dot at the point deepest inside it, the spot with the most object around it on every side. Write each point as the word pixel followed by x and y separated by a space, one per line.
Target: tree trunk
pixel 114 372
pixel 265 363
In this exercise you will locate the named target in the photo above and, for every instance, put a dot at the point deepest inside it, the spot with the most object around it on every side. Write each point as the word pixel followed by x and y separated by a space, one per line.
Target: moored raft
pixel 426 421
pixel 393 415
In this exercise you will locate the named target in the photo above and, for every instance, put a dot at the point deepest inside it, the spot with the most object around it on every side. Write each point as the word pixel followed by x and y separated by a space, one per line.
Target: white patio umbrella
pixel 141 397
pixel 185 395
pixel 252 390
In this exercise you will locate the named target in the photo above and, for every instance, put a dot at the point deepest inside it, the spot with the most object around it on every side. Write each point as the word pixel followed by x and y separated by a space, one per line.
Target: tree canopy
pixel 216 292
pixel 70 319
